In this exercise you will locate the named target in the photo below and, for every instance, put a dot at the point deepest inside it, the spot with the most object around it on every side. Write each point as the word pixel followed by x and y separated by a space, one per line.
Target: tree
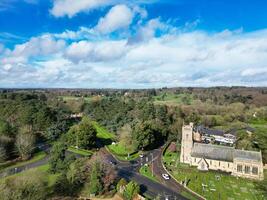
pixel 131 190
pixel 2 154
pixel 57 158
pixel 83 135
pixel 121 185
pixel 147 135
pixel 32 185
pixel 96 186
pixel 25 144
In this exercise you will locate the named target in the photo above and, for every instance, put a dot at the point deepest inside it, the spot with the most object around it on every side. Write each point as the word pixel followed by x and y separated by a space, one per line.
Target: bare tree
pixel 25 145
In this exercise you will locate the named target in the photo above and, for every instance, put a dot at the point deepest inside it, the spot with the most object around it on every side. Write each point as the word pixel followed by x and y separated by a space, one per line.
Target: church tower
pixel 187 143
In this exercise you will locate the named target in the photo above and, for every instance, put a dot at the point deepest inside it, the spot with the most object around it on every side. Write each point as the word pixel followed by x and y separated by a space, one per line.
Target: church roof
pixel 223 153
pixel 247 155
pixel 213 152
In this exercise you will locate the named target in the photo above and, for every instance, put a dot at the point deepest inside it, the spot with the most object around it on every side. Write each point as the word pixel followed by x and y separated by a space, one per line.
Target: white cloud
pixel 95 52
pixel 36 46
pixel 195 58
pixel 72 7
pixel 119 16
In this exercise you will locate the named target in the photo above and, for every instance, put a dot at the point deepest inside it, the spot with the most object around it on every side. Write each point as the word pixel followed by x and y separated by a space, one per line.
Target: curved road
pixel 167 190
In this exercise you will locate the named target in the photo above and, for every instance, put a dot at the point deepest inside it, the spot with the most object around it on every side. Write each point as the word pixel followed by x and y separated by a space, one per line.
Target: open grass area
pixel 36 157
pixel 82 152
pixel 102 132
pixel 173 99
pixel 146 171
pixel 44 168
pixel 217 185
pixel 121 152
pixel 72 98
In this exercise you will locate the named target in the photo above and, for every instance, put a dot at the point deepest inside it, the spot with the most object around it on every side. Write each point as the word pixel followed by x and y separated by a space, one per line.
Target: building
pixel 206 135
pixel 241 163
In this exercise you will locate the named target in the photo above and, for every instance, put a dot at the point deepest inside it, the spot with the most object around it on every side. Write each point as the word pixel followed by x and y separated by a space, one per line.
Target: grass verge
pixel 82 152
pixel 36 157
pixel 146 171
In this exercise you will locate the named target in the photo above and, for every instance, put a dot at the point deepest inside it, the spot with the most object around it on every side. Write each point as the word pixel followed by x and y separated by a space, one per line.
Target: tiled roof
pixel 247 155
pixel 223 153
pixel 203 130
pixel 213 152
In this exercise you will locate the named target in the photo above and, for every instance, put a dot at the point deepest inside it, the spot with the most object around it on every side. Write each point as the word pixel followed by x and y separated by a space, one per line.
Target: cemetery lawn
pixel 218 185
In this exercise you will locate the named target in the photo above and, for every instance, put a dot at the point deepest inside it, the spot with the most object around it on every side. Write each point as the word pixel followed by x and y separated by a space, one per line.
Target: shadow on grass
pixel 101 142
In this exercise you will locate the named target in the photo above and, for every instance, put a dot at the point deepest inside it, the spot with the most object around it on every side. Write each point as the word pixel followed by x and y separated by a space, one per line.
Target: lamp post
pixel 152 165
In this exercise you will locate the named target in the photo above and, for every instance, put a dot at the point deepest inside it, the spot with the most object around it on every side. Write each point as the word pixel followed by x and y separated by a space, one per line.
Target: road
pixel 128 170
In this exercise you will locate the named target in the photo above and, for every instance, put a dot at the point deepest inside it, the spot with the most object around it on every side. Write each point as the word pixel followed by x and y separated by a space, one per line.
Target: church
pixel 241 163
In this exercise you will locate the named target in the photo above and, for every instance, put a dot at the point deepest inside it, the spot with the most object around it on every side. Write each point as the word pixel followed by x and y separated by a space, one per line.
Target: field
pixel 173 99
pixel 217 185
pixel 73 98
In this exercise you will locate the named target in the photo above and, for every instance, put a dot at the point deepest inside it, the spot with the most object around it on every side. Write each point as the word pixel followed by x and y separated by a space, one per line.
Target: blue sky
pixel 132 44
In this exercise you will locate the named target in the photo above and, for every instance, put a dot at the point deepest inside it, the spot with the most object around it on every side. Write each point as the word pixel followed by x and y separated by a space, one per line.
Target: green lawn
pixel 121 152
pixel 82 152
pixel 224 187
pixel 36 157
pixel 146 171
pixel 102 132
pixel 72 98
pixel 44 168
pixel 173 99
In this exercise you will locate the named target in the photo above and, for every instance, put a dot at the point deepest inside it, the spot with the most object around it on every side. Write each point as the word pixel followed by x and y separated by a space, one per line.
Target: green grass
pixel 228 187
pixel 72 98
pixel 146 171
pixel 82 152
pixel 44 168
pixel 173 99
pixel 36 157
pixel 121 152
pixel 102 132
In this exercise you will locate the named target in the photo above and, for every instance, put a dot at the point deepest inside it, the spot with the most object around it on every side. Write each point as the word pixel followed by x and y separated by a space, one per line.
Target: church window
pixel 247 169
pixel 239 168
pixel 228 165
pixel 219 163
pixel 255 170
pixel 195 160
pixel 210 162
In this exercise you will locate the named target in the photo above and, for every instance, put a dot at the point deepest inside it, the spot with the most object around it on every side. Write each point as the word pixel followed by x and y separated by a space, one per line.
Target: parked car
pixel 166 176
pixel 141 155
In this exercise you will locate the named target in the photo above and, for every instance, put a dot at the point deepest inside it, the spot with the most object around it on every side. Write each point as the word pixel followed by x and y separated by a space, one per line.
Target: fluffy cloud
pixel 195 58
pixel 95 52
pixel 72 7
pixel 119 16
pixel 37 46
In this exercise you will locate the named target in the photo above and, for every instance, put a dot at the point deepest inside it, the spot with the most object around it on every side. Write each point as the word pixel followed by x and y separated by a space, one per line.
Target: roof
pixel 247 155
pixel 213 152
pixel 203 130
pixel 224 153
